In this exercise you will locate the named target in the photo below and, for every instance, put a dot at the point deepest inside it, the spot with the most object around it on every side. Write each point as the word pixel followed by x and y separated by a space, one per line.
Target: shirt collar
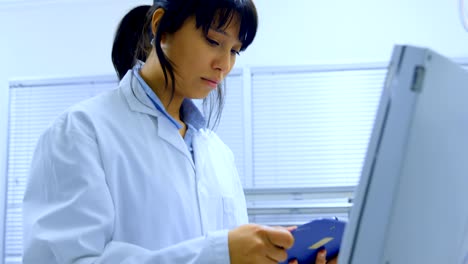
pixel 191 115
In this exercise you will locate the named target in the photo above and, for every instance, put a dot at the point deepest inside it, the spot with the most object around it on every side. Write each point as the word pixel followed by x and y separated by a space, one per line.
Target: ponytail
pixel 127 40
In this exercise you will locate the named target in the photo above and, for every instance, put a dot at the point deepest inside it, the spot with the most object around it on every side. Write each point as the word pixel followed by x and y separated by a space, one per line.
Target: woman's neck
pixel 152 74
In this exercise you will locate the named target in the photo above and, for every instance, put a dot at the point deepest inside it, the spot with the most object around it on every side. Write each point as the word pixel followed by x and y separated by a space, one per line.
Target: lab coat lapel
pixel 168 132
pixel 138 101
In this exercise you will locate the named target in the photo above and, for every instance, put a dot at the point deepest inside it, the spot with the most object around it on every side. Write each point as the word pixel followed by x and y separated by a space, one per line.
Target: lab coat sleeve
pixel 69 213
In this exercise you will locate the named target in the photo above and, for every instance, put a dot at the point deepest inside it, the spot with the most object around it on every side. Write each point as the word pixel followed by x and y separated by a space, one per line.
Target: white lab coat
pixel 112 181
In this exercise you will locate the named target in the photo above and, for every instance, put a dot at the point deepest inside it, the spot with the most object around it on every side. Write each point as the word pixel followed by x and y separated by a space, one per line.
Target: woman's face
pixel 201 62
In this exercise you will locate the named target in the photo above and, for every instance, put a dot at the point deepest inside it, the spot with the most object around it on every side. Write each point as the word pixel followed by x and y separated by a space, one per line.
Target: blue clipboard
pixel 314 236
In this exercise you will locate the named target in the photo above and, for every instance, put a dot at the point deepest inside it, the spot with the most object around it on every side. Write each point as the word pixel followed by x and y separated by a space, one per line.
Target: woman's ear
pixel 157 16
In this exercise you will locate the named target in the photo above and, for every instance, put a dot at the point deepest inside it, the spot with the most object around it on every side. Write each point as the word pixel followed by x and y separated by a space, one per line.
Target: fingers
pixel 269 261
pixel 258 244
pixel 333 261
pixel 279 237
pixel 277 254
pixel 321 257
pixel 272 261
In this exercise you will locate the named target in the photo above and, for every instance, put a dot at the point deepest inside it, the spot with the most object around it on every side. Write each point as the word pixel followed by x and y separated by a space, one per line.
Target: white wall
pixel 65 38
pixel 337 31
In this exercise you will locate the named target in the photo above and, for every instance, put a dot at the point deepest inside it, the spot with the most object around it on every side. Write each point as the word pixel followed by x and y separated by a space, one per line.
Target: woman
pixel 133 175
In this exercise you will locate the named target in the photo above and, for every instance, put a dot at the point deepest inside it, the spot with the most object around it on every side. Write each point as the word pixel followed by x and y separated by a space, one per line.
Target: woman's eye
pixel 212 42
pixel 235 52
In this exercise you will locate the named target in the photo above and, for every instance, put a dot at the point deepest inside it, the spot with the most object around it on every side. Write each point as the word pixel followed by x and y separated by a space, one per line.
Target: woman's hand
pixel 259 244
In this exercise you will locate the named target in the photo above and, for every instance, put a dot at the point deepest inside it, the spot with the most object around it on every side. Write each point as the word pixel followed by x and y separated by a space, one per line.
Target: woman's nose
pixel 223 62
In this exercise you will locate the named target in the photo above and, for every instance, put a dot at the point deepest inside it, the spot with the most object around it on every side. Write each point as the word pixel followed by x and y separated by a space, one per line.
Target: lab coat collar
pixel 136 97
pixel 190 112
pixel 138 101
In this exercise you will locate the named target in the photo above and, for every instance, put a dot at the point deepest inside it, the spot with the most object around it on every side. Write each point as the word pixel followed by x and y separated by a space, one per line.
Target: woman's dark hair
pixel 207 13
pixel 125 51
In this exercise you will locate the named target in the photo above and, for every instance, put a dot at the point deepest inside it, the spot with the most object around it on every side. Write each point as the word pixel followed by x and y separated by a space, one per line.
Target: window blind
pixel 231 127
pixel 311 127
pixel 310 130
